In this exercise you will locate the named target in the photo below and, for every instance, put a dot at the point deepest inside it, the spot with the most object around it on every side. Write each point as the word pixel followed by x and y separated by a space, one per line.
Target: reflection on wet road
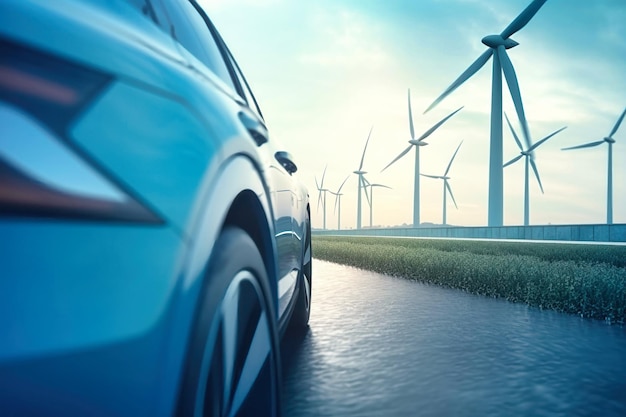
pixel 383 346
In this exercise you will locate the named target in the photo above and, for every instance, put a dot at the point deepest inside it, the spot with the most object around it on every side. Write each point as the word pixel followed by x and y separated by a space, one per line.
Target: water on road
pixel 385 346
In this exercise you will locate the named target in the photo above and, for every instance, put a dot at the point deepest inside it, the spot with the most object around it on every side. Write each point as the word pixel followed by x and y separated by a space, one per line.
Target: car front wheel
pixel 233 359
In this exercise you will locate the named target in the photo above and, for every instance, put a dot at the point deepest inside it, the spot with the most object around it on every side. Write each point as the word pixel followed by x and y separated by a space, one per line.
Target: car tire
pixel 233 361
pixel 300 319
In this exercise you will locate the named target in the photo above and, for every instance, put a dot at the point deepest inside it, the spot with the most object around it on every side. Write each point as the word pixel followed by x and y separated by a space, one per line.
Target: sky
pixel 324 72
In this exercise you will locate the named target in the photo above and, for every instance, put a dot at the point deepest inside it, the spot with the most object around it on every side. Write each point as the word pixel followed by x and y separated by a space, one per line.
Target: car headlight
pixel 42 173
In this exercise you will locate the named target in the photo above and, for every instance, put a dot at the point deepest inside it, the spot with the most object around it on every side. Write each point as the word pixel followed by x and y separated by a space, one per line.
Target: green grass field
pixel 587 280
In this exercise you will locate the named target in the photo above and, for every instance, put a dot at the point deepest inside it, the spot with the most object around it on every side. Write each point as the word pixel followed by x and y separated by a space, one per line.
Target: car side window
pixel 248 96
pixel 146 7
pixel 191 31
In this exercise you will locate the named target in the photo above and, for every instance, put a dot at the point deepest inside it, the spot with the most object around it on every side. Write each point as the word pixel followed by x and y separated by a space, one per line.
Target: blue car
pixel 154 239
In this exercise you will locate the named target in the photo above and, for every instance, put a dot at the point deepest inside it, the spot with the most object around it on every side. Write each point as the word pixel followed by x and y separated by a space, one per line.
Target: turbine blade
pixel 536 145
pixel 450 191
pixel 337 197
pixel 532 164
pixel 619 121
pixel 471 70
pixel 319 198
pixel 341 186
pixel 365 189
pixel 364 149
pixel 404 152
pixel 511 81
pixel 411 118
pixel 381 186
pixel 519 144
pixel 317 184
pixel 512 161
pixel 452 159
pixel 523 18
pixel 438 124
pixel 586 145
pixel 365 181
pixel 320 188
pixel 437 177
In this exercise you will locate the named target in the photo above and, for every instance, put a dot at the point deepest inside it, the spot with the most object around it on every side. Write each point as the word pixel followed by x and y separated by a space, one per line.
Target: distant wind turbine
pixel 498 44
pixel 372 198
pixel 609 139
pixel 362 185
pixel 338 195
pixel 322 191
pixel 446 185
pixel 529 160
pixel 418 142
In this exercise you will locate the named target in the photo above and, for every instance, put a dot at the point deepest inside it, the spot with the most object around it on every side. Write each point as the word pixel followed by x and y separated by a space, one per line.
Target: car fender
pixel 236 175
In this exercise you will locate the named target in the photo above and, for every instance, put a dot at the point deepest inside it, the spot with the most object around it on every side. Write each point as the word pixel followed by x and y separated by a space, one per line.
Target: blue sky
pixel 324 72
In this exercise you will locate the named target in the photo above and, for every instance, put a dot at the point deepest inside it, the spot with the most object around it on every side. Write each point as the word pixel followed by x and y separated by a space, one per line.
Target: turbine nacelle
pixel 417 142
pixel 609 140
pixel 360 172
pixel 493 41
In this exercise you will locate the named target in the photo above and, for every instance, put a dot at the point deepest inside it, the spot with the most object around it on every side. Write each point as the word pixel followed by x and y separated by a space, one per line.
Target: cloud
pixel 346 40
pixel 326 71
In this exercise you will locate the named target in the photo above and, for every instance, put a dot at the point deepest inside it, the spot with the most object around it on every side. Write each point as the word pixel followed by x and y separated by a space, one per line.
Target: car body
pixel 155 240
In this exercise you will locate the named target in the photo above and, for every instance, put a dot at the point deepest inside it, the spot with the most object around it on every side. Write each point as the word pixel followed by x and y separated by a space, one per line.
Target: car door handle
pixel 254 126
pixel 286 160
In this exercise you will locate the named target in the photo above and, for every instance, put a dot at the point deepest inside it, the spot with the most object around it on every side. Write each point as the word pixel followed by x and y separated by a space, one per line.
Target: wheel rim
pixel 307 273
pixel 240 360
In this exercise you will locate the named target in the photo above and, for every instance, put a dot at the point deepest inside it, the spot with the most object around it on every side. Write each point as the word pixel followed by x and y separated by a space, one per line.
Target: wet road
pixel 384 346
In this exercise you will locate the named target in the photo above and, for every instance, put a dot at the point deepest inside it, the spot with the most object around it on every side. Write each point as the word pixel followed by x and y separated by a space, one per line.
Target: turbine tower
pixel 609 139
pixel 362 185
pixel 498 44
pixel 372 198
pixel 338 202
pixel 528 161
pixel 446 185
pixel 418 142
pixel 321 190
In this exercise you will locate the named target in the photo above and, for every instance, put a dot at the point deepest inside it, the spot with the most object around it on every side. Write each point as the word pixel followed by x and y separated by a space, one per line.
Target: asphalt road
pixel 384 346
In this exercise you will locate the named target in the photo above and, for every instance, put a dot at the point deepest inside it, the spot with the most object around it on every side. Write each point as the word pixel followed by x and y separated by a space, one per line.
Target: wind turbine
pixel 321 190
pixel 609 139
pixel 338 202
pixel 498 44
pixel 362 182
pixel 372 198
pixel 529 160
pixel 446 185
pixel 418 142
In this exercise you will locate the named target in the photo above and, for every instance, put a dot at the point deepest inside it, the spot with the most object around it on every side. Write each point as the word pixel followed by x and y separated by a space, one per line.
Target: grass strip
pixel 592 283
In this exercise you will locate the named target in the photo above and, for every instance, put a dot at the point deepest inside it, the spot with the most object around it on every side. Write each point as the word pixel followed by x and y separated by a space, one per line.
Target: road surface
pixel 384 346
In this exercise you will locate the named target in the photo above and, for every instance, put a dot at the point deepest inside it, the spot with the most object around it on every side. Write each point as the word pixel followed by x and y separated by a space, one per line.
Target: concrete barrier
pixel 576 233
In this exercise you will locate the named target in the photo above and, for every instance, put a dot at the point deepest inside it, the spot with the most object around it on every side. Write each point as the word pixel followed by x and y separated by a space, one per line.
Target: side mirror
pixel 286 160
